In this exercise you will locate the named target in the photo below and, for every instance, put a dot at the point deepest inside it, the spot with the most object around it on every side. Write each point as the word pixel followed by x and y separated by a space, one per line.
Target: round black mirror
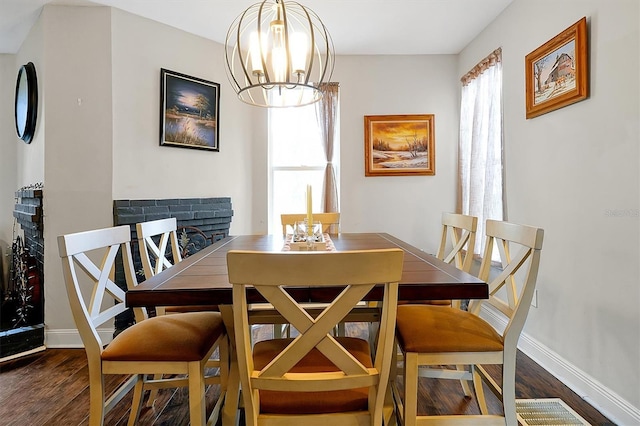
pixel 26 107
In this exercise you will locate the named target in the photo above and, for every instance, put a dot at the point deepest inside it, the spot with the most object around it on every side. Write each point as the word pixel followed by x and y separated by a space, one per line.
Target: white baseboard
pixel 70 338
pixel 610 404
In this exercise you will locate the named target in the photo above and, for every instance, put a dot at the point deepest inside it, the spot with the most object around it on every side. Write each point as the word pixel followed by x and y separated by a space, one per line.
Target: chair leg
pixel 223 373
pixel 477 386
pixel 153 393
pixel 223 369
pixel 410 373
pixel 509 391
pixel 388 409
pixel 197 406
pixel 373 328
pixel 97 398
pixel 465 384
pixel 136 403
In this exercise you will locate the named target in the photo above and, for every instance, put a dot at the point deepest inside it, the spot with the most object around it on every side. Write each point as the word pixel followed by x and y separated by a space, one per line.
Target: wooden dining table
pixel 201 279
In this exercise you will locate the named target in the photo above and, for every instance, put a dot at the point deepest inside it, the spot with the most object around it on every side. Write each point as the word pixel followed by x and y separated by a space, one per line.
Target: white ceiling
pixel 356 26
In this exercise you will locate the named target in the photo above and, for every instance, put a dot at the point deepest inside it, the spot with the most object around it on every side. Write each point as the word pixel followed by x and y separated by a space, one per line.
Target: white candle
pixel 309 212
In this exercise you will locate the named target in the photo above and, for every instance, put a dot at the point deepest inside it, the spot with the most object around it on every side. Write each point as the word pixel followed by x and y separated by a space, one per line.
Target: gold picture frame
pixel 399 145
pixel 556 73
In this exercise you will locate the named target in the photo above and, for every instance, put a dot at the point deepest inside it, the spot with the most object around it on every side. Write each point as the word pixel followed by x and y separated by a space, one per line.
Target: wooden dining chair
pixel 157 239
pixel 153 253
pixel 177 344
pixel 159 247
pixel 316 378
pixel 457 239
pixel 439 335
pixel 330 221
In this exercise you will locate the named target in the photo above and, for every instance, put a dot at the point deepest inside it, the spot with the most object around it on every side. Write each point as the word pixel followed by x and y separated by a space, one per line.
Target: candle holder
pixel 307 237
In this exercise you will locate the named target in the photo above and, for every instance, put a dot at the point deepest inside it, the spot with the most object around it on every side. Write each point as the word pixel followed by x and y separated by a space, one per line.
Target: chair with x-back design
pixel 439 335
pixel 156 239
pixel 316 378
pixel 178 344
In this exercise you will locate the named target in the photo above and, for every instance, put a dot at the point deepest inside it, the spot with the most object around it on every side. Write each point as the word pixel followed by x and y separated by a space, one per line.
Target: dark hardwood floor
pixel 52 388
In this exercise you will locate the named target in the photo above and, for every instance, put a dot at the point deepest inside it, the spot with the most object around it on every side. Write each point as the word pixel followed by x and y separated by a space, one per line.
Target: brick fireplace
pixel 22 311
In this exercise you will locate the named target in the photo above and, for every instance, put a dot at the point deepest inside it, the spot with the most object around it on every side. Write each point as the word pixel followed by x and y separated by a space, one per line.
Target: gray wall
pixel 8 147
pixel 406 206
pixel 78 165
pixel 574 172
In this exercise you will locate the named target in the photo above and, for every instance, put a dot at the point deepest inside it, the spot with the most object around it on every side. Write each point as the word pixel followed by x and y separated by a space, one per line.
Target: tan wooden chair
pixel 457 240
pixel 330 224
pixel 439 335
pixel 154 240
pixel 458 237
pixel 330 221
pixel 177 344
pixel 315 379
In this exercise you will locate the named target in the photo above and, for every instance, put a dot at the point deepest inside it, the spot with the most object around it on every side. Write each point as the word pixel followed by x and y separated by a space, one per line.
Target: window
pixel 480 160
pixel 296 159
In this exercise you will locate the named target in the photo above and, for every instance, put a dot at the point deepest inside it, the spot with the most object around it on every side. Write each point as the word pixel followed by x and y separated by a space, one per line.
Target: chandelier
pixel 278 54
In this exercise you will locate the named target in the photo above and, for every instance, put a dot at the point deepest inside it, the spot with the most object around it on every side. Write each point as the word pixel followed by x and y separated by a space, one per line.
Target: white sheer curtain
pixel 480 158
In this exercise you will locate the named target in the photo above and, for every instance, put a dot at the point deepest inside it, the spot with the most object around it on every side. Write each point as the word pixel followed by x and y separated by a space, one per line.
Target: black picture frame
pixel 26 102
pixel 189 111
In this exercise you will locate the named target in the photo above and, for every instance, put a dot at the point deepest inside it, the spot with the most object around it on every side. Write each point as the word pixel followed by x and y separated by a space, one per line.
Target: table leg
pixel 230 410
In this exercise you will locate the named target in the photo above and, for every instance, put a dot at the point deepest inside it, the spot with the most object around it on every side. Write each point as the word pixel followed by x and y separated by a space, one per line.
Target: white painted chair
pixel 154 255
pixel 155 238
pixel 315 379
pixel 177 344
pixel 440 335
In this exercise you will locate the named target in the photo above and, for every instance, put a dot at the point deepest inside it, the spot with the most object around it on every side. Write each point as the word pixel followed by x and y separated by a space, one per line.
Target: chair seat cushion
pixel 436 329
pixel 179 337
pixel 315 361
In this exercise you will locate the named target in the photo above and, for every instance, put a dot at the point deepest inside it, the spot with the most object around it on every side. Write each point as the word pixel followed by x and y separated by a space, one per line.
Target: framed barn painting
pixel 556 73
pixel 399 145
pixel 189 111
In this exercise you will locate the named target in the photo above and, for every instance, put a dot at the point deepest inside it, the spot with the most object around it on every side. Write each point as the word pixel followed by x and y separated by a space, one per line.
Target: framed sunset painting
pixel 399 145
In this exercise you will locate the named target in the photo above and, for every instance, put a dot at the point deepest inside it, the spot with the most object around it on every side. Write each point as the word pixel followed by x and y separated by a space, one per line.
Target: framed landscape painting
pixel 556 73
pixel 399 145
pixel 189 111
